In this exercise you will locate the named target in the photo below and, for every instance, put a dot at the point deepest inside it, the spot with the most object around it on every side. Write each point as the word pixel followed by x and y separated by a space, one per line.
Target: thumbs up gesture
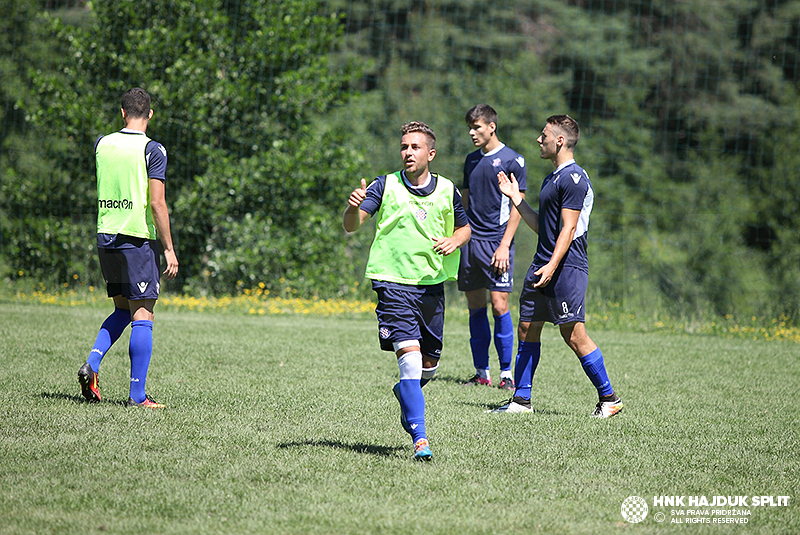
pixel 358 195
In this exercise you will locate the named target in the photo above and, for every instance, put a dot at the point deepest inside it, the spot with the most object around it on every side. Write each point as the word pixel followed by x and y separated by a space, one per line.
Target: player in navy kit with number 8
pixel 555 286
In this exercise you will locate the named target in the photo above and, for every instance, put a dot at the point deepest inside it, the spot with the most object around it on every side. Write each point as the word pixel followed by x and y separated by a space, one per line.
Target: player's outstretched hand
pixel 508 186
pixel 358 195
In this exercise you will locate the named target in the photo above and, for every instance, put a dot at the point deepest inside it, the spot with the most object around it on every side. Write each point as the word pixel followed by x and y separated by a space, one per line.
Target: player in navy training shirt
pixel 555 286
pixel 487 261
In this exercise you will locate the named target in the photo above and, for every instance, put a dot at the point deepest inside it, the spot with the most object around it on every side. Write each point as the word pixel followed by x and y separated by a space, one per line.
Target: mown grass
pixel 285 423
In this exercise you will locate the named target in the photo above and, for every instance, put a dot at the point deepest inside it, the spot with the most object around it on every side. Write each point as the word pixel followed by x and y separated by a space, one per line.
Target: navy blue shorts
pixel 475 272
pixel 561 301
pixel 131 268
pixel 410 313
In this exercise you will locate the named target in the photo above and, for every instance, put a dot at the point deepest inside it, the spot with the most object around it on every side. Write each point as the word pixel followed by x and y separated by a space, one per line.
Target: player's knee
pixel 522 331
pixel 410 365
pixel 575 336
pixel 499 303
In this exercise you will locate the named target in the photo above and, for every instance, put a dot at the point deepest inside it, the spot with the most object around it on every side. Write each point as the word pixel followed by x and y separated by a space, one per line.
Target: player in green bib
pixel 132 223
pixel 420 226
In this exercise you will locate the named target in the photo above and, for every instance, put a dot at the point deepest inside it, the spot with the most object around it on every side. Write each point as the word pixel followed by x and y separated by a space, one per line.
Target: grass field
pixel 286 424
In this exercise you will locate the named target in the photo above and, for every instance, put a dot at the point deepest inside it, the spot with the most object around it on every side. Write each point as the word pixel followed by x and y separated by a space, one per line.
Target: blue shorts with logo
pixel 131 266
pixel 475 272
pixel 407 312
pixel 561 301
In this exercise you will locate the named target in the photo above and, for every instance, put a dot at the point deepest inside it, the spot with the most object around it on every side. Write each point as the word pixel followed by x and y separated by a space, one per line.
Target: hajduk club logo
pixel 634 509
pixel 421 214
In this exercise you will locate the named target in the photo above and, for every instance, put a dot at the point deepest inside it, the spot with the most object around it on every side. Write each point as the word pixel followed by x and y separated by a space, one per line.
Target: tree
pixel 236 88
pixel 674 100
pixel 38 198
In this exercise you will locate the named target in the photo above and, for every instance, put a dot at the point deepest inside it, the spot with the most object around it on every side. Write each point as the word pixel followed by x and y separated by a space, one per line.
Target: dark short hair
pixel 481 112
pixel 136 103
pixel 569 128
pixel 419 126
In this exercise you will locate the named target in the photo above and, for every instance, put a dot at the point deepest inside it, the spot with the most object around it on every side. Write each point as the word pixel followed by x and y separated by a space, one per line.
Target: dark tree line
pixel 272 111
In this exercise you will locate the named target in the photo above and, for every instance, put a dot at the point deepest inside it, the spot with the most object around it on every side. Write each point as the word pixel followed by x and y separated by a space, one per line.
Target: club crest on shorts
pixel 421 214
pixel 384 332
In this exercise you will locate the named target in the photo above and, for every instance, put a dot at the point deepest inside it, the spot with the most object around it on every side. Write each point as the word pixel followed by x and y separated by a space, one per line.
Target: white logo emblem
pixel 575 177
pixel 384 332
pixel 634 509
pixel 521 161
pixel 142 286
pixel 422 214
pixel 496 162
pixel 413 426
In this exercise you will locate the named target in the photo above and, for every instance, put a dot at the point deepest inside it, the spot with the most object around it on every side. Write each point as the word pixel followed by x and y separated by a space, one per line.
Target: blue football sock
pixel 109 333
pixel 140 351
pixel 412 400
pixel 480 337
pixel 527 361
pixel 595 369
pixel 504 339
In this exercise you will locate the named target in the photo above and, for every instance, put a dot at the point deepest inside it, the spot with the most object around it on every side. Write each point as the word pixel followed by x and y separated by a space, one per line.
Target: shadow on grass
pixel 77 398
pixel 452 379
pixel 492 406
pixel 383 451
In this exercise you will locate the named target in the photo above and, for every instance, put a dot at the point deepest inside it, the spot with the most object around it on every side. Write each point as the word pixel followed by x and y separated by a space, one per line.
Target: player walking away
pixel 555 286
pixel 487 261
pixel 132 216
pixel 420 225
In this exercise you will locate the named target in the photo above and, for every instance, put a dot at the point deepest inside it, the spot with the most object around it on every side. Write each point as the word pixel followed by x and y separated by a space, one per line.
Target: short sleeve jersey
pixel 156 160
pixel 567 187
pixel 155 155
pixel 488 209
pixel 373 201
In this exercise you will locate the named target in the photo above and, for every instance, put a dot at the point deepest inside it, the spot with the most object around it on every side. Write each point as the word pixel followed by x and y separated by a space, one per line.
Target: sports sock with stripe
pixel 412 400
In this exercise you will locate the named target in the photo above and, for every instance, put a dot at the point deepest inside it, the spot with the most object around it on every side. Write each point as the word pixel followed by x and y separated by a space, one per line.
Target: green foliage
pixel 682 107
pixel 688 114
pixel 268 220
pixel 236 89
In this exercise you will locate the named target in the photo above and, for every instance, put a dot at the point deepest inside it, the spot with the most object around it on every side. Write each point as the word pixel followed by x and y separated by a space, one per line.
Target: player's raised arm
pixel 354 217
pixel 510 188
